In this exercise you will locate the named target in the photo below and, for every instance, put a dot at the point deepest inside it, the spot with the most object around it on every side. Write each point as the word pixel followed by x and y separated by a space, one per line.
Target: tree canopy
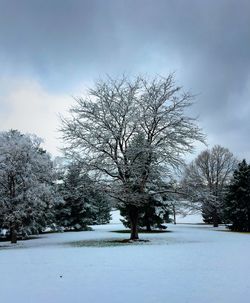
pixel 26 184
pixel 121 120
pixel 237 201
pixel 206 179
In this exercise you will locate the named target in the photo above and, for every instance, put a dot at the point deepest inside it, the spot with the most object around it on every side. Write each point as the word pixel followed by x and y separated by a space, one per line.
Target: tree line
pixel 125 145
pixel 35 194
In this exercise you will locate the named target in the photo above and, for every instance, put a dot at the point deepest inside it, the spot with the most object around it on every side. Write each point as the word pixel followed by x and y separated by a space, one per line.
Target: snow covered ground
pixel 192 263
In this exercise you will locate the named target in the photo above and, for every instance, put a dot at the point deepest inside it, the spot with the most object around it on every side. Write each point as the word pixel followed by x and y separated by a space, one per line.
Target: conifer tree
pixel 27 193
pixel 237 201
pixel 76 210
pixel 83 203
pixel 102 207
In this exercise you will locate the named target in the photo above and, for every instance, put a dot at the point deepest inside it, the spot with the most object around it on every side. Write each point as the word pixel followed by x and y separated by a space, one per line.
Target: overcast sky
pixel 52 50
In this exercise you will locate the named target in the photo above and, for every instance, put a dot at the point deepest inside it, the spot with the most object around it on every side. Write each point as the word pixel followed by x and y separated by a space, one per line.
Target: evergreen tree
pixel 237 201
pixel 27 193
pixel 102 207
pixel 76 210
pixel 152 214
pixel 83 204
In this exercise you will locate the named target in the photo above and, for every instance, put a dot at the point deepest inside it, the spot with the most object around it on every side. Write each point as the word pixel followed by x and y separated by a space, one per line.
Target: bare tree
pixel 206 178
pixel 175 199
pixel 126 130
pixel 177 207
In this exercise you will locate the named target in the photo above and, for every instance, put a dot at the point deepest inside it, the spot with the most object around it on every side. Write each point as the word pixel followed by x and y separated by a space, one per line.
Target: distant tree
pixel 205 181
pixel 107 125
pixel 237 200
pixel 176 205
pixel 27 193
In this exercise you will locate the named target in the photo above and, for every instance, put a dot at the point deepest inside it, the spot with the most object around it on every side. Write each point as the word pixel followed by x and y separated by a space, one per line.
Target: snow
pixel 115 217
pixel 193 263
pixel 194 218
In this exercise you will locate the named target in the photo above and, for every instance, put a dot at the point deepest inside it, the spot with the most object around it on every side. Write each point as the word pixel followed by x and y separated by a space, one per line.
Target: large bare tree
pixel 206 178
pixel 126 130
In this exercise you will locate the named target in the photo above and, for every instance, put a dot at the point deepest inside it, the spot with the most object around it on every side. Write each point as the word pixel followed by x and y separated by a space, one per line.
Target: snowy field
pixel 192 263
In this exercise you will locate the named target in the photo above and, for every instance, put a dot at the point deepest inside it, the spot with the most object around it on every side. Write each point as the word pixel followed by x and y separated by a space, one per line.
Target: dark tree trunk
pixel 148 226
pixel 215 224
pixel 248 219
pixel 174 213
pixel 147 221
pixel 134 215
pixel 215 219
pixel 13 235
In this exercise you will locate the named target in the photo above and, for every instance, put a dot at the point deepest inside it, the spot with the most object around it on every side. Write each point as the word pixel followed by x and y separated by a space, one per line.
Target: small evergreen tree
pixel 211 209
pixel 102 207
pixel 83 204
pixel 76 210
pixel 155 214
pixel 152 214
pixel 237 201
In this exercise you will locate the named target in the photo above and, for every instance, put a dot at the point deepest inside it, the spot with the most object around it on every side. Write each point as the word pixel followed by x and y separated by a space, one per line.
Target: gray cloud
pixel 207 43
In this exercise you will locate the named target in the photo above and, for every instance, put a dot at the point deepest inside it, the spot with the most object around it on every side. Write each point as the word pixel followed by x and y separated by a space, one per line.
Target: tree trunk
pixel 215 224
pixel 174 213
pixel 147 221
pixel 134 215
pixel 13 235
pixel 215 219
pixel 148 226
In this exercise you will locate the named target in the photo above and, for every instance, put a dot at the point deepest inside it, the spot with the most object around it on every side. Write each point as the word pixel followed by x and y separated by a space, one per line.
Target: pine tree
pixel 76 210
pixel 237 201
pixel 102 207
pixel 153 214
pixel 83 203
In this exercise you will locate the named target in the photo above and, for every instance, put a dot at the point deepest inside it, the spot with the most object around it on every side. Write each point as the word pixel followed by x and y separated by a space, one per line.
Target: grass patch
pixel 129 241
pixel 106 243
pixel 235 232
pixel 141 231
pixel 31 237
pixel 202 223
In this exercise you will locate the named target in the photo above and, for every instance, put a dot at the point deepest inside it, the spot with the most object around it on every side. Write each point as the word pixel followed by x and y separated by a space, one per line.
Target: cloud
pixel 65 44
pixel 30 109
